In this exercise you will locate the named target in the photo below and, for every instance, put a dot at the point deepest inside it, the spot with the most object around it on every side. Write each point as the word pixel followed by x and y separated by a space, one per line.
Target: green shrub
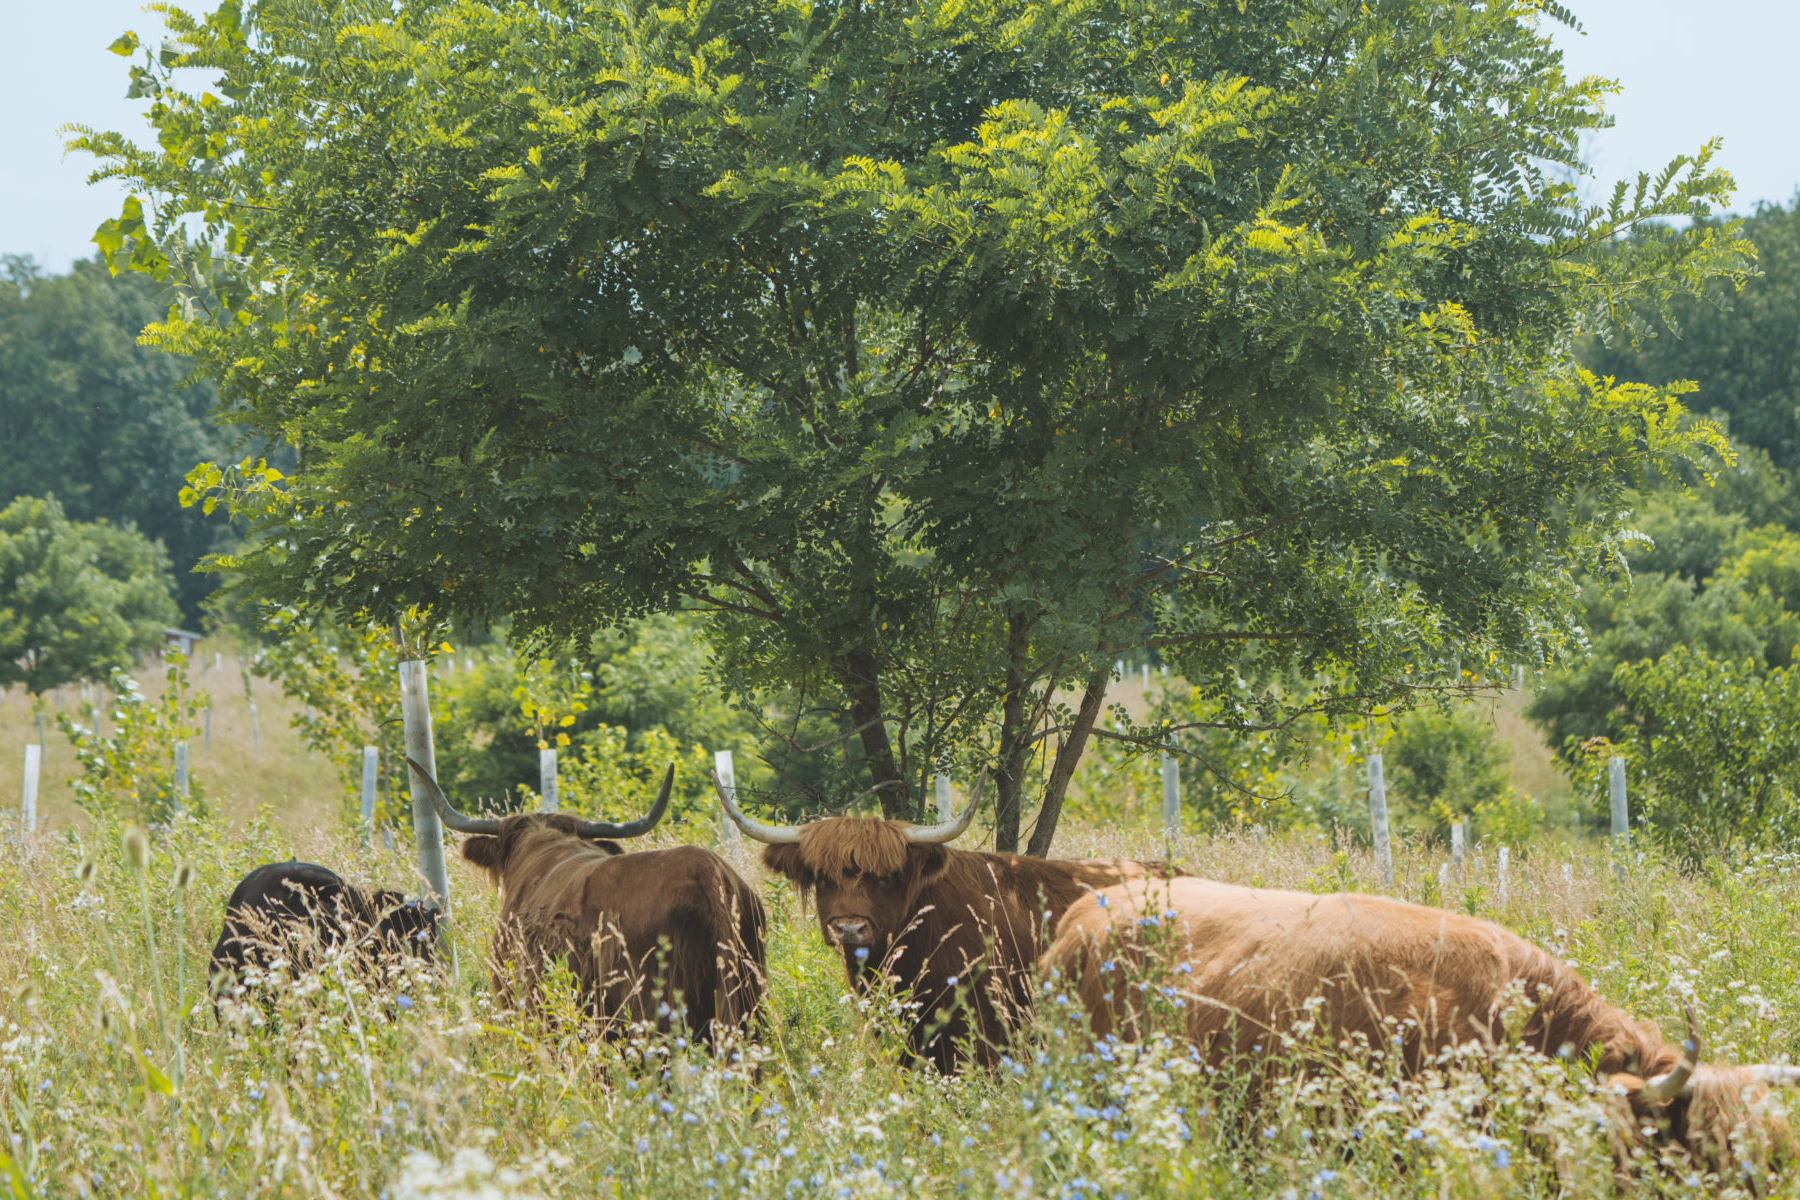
pixel 630 694
pixel 1717 758
pixel 130 776
pixel 1509 819
pixel 77 600
pixel 1444 764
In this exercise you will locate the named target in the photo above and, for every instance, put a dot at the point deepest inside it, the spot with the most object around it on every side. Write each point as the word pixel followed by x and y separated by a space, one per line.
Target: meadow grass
pixel 116 1079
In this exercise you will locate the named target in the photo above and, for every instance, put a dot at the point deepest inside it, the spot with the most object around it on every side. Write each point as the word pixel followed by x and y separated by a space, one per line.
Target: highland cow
pixel 651 936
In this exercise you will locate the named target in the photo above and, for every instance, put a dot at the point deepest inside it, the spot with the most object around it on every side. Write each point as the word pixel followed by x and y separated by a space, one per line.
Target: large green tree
pixel 102 421
pixel 940 352
pixel 76 600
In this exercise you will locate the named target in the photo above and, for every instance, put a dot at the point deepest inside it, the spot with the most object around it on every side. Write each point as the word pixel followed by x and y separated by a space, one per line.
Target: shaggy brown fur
pixel 676 927
pixel 946 923
pixel 1254 958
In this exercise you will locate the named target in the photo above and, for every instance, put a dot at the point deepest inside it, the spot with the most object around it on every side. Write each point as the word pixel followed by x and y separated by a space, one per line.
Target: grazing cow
pixel 1245 963
pixel 646 935
pixel 294 911
pixel 958 930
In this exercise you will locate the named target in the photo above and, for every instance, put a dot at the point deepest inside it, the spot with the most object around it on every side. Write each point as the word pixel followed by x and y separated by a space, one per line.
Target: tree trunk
pixel 1011 773
pixel 862 685
pixel 1067 756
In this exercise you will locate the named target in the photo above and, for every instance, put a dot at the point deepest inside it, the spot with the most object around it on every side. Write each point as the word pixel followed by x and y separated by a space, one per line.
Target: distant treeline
pixel 106 425
pixel 1742 348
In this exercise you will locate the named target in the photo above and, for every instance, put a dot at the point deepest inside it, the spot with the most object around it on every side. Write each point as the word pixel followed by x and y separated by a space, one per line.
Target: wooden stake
pixel 547 779
pixel 371 760
pixel 734 840
pixel 28 801
pixel 428 833
pixel 1171 796
pixel 1378 821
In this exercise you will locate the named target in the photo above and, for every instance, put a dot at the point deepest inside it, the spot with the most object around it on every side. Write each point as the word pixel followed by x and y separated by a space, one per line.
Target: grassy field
pixel 272 774
pixel 116 1079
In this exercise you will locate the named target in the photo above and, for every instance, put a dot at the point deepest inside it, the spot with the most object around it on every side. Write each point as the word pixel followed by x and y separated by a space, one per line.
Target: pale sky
pixel 1730 68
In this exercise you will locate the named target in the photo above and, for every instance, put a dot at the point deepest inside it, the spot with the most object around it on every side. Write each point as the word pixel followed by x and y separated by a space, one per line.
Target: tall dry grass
pixel 272 774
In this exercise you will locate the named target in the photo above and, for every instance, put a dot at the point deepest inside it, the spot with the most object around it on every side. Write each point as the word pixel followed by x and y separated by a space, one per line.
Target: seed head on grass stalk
pixel 137 856
pixel 137 848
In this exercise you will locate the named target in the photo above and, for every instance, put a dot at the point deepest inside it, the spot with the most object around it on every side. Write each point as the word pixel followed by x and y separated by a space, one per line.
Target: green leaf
pixel 125 45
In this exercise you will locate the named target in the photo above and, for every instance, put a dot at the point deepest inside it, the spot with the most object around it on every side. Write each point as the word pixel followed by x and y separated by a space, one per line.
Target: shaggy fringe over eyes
pixel 872 846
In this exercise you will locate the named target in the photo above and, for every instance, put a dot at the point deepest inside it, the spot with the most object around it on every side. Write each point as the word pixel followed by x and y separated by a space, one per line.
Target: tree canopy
pixel 76 600
pixel 940 354
pixel 103 422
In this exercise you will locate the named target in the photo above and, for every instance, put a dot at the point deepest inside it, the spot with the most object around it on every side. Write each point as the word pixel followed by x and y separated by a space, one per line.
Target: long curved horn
pixel 774 835
pixel 922 835
pixel 448 815
pixel 1776 1076
pixel 637 828
pixel 1660 1089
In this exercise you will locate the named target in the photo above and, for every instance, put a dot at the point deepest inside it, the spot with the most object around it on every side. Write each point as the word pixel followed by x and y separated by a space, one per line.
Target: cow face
pixel 493 851
pixel 865 879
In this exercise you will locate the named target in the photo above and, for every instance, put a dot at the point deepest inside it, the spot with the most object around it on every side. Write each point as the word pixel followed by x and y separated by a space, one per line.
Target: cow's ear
pixel 927 862
pixel 787 860
pixel 483 850
pixel 606 844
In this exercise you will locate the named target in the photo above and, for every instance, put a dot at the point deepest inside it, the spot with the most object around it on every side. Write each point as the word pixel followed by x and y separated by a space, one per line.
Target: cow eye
pixel 852 872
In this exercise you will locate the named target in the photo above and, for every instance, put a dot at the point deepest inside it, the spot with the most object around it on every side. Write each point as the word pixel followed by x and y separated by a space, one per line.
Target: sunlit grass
pixel 117 1080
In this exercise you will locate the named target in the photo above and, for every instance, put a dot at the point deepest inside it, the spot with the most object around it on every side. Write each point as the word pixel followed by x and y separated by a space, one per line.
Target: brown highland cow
pixel 958 930
pixel 649 936
pixel 1246 962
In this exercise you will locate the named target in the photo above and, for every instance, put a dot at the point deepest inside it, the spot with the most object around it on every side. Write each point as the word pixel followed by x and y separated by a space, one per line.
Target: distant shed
pixel 182 640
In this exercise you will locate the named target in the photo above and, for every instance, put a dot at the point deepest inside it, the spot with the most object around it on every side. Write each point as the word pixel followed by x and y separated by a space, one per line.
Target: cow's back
pixel 635 929
pixel 1012 901
pixel 1251 959
pixel 273 901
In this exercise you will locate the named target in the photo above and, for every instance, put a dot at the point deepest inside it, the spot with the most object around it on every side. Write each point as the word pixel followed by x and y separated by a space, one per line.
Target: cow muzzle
pixel 851 932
